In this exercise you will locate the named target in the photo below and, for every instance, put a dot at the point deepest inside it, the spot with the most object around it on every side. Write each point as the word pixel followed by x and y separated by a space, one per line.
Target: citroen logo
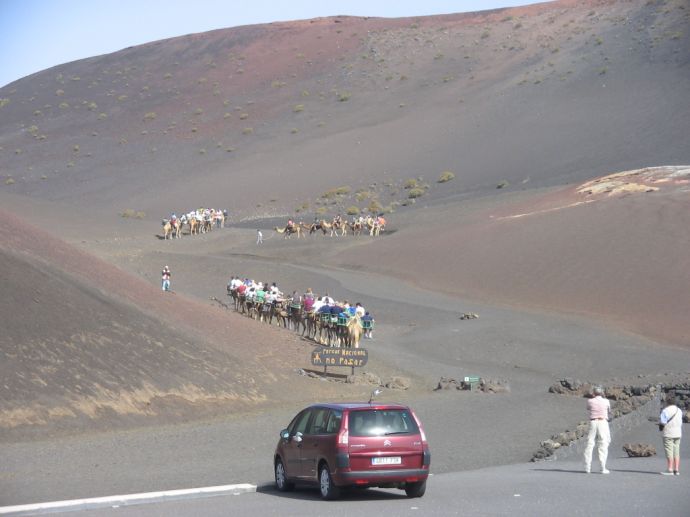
pixel 387 443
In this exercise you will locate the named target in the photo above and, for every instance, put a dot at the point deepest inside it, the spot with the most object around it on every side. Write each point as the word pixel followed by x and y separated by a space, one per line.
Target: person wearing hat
pixel 165 279
pixel 599 409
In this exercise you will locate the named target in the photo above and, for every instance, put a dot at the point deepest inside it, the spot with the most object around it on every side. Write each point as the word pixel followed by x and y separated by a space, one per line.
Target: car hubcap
pixel 280 475
pixel 325 482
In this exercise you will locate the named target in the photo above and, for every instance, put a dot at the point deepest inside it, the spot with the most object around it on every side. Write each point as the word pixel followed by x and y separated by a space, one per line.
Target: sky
pixel 39 34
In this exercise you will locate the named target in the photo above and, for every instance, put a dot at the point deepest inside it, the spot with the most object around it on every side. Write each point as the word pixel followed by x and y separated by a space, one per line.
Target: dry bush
pixel 445 177
pixel 415 193
pixel 352 210
pixel 410 184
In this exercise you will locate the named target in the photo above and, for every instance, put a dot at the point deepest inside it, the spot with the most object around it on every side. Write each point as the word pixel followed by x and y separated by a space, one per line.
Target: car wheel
pixel 328 490
pixel 282 482
pixel 415 489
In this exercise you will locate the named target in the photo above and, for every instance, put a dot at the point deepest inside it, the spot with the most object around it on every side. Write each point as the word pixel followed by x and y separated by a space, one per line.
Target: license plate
pixel 386 460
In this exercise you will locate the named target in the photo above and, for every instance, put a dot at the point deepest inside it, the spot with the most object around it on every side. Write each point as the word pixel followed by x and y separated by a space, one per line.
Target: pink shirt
pixel 598 407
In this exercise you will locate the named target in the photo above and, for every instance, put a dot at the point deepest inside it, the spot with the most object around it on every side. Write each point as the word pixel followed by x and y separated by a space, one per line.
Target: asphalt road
pixel 634 487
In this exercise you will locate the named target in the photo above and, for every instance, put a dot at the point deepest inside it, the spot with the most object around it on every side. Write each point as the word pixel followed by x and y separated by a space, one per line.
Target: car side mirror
pixel 285 434
pixel 297 437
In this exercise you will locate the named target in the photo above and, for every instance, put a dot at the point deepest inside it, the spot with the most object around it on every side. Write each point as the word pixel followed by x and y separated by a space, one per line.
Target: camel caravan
pixel 336 228
pixel 201 220
pixel 320 318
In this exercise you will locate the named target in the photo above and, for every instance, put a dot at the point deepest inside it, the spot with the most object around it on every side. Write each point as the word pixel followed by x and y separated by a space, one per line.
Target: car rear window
pixel 382 422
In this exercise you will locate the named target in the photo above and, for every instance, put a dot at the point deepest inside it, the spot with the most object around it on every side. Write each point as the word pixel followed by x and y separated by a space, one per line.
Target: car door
pixel 316 443
pixel 292 448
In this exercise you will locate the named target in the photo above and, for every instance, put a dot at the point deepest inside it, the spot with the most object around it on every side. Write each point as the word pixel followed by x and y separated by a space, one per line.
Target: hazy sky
pixel 39 34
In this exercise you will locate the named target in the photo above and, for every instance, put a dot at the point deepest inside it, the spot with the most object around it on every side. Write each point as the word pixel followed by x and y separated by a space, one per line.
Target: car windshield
pixel 382 422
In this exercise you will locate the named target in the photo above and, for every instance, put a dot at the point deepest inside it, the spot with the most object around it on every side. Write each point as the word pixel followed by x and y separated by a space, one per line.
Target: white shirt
pixel 673 427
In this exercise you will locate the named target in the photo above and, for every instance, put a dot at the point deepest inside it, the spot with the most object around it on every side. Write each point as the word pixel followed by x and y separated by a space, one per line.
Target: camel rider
pixel 337 220
pixel 290 227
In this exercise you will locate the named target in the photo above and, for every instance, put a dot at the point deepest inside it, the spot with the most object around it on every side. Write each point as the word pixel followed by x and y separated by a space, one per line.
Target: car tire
pixel 415 489
pixel 282 483
pixel 328 489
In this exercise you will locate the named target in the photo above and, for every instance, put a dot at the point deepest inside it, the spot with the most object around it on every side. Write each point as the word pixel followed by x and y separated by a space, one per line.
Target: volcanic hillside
pixel 329 114
pixel 86 345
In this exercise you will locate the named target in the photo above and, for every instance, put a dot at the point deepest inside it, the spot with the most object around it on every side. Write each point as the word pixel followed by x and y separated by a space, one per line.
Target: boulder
pixel 447 383
pixel 639 450
pixel 398 383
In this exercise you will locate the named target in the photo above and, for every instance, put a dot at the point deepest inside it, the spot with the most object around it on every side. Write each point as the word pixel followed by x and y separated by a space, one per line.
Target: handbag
pixel 661 426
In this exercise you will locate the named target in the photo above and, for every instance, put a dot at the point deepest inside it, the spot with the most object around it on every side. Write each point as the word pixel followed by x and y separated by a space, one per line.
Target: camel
pixel 356 228
pixel 354 332
pixel 375 225
pixel 177 228
pixel 289 230
pixel 167 229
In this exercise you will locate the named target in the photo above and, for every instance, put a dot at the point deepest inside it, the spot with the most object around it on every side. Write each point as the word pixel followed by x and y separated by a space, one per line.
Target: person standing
pixel 165 279
pixel 599 409
pixel 259 237
pixel 671 418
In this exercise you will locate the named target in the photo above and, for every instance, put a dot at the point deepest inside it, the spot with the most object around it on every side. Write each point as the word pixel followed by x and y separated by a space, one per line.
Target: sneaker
pixel 669 473
pixel 588 470
pixel 676 473
pixel 605 471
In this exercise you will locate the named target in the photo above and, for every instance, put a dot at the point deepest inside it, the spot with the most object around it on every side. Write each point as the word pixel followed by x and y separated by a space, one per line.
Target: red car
pixel 356 444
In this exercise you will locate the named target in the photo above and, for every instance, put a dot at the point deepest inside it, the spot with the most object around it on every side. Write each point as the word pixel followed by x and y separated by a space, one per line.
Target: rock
pixel 639 450
pixel 494 386
pixel 469 316
pixel 365 378
pixel 398 383
pixel 447 383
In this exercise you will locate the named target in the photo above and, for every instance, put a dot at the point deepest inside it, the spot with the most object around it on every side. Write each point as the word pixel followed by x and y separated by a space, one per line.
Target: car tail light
pixel 343 437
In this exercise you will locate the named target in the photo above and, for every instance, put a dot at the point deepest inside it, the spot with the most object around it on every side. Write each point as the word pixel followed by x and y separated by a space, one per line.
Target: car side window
pixel 299 424
pixel 318 423
pixel 334 420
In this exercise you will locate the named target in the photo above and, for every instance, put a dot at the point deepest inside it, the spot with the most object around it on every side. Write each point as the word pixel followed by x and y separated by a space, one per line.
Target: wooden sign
pixel 333 356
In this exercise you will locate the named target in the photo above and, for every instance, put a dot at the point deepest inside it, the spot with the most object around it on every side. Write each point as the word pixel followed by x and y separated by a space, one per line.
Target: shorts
pixel 672 447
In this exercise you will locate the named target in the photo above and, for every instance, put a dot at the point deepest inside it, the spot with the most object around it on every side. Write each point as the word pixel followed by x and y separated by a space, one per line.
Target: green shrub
pixel 446 176
pixel 298 108
pixel 353 210
pixel 410 184
pixel 133 214
pixel 344 96
pixel 247 131
pixel 9 181
pixel 150 115
pixel 415 193
pixel 361 195
pixel 502 184
pixel 4 102
pixel 374 207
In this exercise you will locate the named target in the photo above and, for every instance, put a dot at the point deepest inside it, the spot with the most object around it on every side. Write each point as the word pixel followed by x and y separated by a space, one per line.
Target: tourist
pixel 368 325
pixel 259 237
pixel 671 425
pixel 165 279
pixel 599 410
pixel 359 310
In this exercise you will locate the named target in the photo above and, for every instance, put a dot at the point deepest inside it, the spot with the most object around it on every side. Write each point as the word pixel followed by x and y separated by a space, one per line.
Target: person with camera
pixel 670 425
pixel 599 409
